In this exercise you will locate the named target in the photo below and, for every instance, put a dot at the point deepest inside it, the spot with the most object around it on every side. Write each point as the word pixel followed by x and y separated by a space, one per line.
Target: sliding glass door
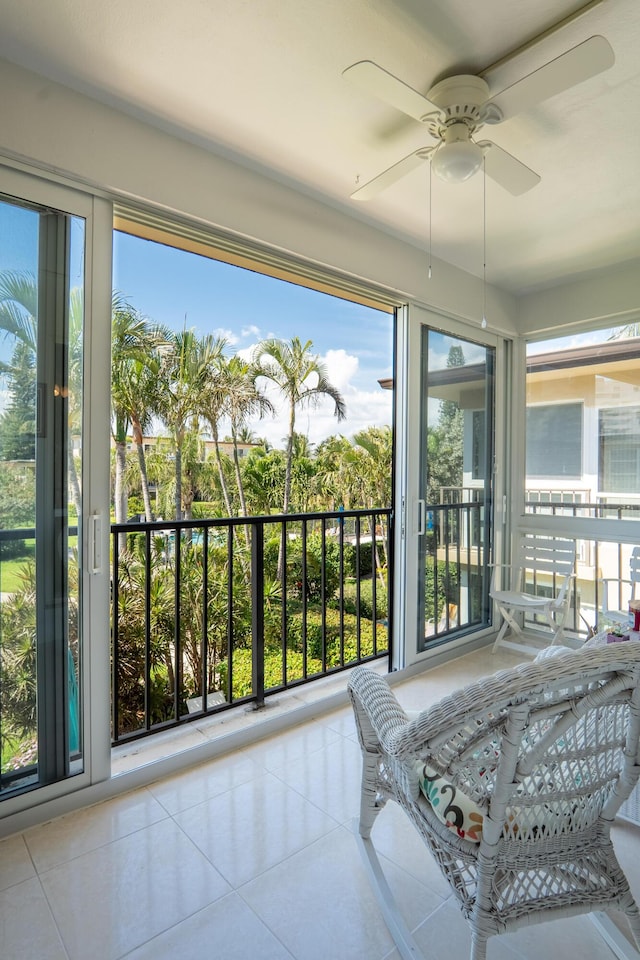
pixel 449 504
pixel 42 266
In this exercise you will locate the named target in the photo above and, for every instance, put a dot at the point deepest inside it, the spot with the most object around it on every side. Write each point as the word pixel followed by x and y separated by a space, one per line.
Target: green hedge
pixel 242 676
pixel 350 594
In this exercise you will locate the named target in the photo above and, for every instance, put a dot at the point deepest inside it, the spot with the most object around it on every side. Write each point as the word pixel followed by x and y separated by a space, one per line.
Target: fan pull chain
pixel 429 273
pixel 484 244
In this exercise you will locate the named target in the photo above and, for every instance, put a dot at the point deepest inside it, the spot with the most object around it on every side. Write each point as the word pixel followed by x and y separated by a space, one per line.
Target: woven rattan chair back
pixel 544 754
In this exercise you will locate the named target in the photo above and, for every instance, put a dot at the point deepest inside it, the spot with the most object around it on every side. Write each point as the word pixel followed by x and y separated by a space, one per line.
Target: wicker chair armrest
pixel 378 713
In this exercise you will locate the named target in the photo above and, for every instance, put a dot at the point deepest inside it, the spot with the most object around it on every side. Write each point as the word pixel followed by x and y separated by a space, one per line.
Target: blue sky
pixel 176 288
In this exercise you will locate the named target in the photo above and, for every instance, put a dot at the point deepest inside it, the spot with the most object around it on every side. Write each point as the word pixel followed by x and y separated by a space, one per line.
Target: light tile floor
pixel 252 855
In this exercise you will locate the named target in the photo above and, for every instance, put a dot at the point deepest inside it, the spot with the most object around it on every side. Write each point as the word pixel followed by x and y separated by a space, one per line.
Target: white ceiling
pixel 262 80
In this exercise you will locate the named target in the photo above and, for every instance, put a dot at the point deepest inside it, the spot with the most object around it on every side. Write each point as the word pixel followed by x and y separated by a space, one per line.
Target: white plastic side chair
pixel 617 591
pixel 513 784
pixel 541 562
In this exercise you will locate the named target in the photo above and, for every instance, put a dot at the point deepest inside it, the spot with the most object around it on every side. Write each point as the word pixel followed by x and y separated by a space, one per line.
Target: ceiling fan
pixel 455 109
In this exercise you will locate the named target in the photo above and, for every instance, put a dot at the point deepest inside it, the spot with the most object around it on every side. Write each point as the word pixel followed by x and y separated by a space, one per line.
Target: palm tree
pixel 213 408
pixel 375 462
pixel 18 319
pixel 332 480
pixel 302 379
pixel 136 346
pixel 244 400
pixel 184 373
pixel 19 306
pixel 263 478
pixel 373 457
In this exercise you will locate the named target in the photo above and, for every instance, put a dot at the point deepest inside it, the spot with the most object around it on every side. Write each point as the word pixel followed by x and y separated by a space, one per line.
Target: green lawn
pixel 10 569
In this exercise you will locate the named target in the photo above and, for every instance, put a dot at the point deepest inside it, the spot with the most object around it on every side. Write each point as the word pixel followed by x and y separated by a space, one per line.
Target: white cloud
pixel 226 334
pixel 342 367
pixel 250 331
pixel 365 408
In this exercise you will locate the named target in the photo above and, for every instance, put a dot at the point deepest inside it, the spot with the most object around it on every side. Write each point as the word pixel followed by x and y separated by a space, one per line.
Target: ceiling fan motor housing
pixel 459 100
pixel 460 96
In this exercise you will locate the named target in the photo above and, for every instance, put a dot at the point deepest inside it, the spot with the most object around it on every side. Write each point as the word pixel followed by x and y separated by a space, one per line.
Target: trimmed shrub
pixel 366 599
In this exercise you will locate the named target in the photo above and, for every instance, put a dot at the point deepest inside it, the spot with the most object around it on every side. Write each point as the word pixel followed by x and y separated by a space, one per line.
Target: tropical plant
pixel 183 377
pixel 445 442
pixel 263 475
pixel 19 306
pixel 244 400
pixel 18 319
pixel 231 392
pixel 334 471
pixel 18 421
pixel 302 379
pixel 136 346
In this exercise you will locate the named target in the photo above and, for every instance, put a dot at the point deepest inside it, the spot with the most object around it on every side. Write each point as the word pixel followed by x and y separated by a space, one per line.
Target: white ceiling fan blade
pixel 510 173
pixel 580 63
pixel 371 78
pixel 392 175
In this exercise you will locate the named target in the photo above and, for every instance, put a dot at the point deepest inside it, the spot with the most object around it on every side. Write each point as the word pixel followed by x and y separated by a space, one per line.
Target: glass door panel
pixel 42 253
pixel 455 486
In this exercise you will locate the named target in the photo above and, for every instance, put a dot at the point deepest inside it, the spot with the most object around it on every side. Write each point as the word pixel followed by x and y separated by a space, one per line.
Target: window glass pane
pixel 19 227
pixel 583 424
pixel 41 355
pixel 554 440
pixel 456 452
pixel 240 394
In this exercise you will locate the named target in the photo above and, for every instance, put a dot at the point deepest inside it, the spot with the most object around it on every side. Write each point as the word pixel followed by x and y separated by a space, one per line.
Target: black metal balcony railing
pixel 209 614
pixel 456 562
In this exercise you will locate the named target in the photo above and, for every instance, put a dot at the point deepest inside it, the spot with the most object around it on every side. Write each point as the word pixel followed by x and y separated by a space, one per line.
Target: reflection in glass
pixel 41 350
pixel 455 484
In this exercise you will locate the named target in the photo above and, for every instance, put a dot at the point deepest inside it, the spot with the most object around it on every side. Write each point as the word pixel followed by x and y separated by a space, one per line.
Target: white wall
pixel 53 128
pixel 607 297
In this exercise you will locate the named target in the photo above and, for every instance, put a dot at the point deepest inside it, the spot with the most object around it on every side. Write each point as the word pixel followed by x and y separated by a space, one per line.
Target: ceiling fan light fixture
pixel 457 160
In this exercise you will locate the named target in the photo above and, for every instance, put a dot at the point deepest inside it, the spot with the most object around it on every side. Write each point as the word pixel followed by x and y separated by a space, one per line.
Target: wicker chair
pixel 513 784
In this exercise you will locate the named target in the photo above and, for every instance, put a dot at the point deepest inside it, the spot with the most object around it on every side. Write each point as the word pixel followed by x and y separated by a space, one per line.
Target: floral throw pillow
pixel 451 806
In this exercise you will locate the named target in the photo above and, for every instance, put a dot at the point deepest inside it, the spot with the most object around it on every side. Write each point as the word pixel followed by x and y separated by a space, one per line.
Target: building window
pixel 619 433
pixel 554 440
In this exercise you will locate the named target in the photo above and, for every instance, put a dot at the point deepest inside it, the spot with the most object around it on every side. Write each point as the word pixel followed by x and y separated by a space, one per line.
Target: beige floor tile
pixel 248 829
pixel 226 930
pixel 15 863
pixel 329 778
pixel 76 833
pixel 446 934
pixel 111 900
pixel 395 838
pixel 570 937
pixel 320 904
pixel 27 928
pixel 150 874
pixel 205 781
pixel 303 740
pixel 342 721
